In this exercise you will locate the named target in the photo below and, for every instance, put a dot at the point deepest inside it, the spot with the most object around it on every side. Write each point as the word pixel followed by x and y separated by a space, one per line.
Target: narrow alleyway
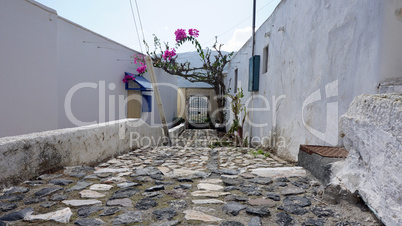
pixel 190 183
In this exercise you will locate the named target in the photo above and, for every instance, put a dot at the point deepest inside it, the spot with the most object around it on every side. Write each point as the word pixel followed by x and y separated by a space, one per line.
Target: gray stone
pixel 284 219
pixel 16 190
pixel 176 193
pixel 313 222
pixel 164 214
pixel 18 215
pixel 48 204
pixel 86 211
pixel 48 176
pixel 262 202
pixel 81 202
pixel 178 204
pixel 120 202
pixel 209 187
pixel 34 200
pixel 4 207
pixel 295 200
pixel 47 191
pixel 89 222
pixel 207 201
pixel 12 198
pixel 185 179
pixel 155 188
pixel 127 184
pixel 263 181
pixel 251 190
pixel 148 171
pixel 255 221
pixel 280 184
pixel 273 196
pixel 228 171
pixel 34 183
pixel 236 198
pixel 261 212
pixel 144 179
pixel 62 182
pixel 233 208
pixel 110 211
pixel 293 209
pixel 232 182
pixel 145 204
pixel 292 191
pixel 186 186
pixel 282 179
pixel 80 185
pixel 58 197
pixel 153 194
pixel 321 212
pixel 231 188
pixel 124 193
pixel 128 218
pixel 231 223
pixel 167 223
pixel 78 171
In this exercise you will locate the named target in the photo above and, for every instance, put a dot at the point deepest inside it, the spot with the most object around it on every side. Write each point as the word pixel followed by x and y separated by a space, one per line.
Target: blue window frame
pixel 146 103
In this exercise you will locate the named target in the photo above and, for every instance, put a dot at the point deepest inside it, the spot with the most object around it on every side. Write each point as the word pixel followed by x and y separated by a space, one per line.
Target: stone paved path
pixel 187 184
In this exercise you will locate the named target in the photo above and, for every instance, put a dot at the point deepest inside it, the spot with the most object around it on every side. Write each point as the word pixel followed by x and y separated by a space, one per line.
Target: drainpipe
pixel 252 55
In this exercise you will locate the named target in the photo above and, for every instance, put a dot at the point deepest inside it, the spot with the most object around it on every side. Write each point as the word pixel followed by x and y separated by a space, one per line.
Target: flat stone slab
pixel 262 202
pixel 207 201
pixel 209 187
pixel 101 187
pixel 211 181
pixel 292 191
pixel 199 216
pixel 210 194
pixel 126 202
pixel 81 202
pixel 91 194
pixel 111 170
pixel 62 216
pixel 280 172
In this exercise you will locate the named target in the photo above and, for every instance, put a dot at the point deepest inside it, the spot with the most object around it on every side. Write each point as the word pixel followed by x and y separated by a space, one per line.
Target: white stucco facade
pixel 57 74
pixel 321 54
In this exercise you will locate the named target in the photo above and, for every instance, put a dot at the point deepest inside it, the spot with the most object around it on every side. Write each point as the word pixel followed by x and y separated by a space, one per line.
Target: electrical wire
pixel 139 18
pixel 135 23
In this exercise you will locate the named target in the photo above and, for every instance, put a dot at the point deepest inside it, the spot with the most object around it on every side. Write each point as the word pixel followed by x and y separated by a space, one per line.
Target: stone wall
pixel 372 133
pixel 24 157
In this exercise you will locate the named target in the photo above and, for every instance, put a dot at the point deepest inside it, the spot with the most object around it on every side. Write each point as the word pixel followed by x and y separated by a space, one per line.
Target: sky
pixel 230 20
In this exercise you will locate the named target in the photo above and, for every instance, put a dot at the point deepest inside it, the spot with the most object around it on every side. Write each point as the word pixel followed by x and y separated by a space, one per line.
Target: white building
pixel 315 57
pixel 57 74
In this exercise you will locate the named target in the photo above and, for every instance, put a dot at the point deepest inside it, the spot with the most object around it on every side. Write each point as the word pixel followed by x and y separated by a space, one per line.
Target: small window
pixel 265 58
pixel 146 103
pixel 236 76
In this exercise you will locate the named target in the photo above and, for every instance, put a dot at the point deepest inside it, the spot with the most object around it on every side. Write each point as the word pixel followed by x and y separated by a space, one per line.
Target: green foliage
pixel 237 107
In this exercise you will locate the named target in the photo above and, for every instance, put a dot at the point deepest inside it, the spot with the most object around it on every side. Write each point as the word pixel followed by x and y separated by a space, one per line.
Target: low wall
pixel 24 157
pixel 177 130
pixel 371 131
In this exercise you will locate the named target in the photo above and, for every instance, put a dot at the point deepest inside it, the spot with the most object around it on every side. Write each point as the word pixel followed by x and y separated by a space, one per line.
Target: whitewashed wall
pixel 321 55
pixel 48 63
pixel 28 68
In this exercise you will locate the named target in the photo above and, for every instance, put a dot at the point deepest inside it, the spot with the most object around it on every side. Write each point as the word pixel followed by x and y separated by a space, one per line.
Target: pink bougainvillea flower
pixel 169 54
pixel 180 34
pixel 193 32
pixel 127 78
pixel 142 69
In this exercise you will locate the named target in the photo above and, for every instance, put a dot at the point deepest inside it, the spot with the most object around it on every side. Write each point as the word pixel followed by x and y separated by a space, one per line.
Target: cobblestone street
pixel 189 183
